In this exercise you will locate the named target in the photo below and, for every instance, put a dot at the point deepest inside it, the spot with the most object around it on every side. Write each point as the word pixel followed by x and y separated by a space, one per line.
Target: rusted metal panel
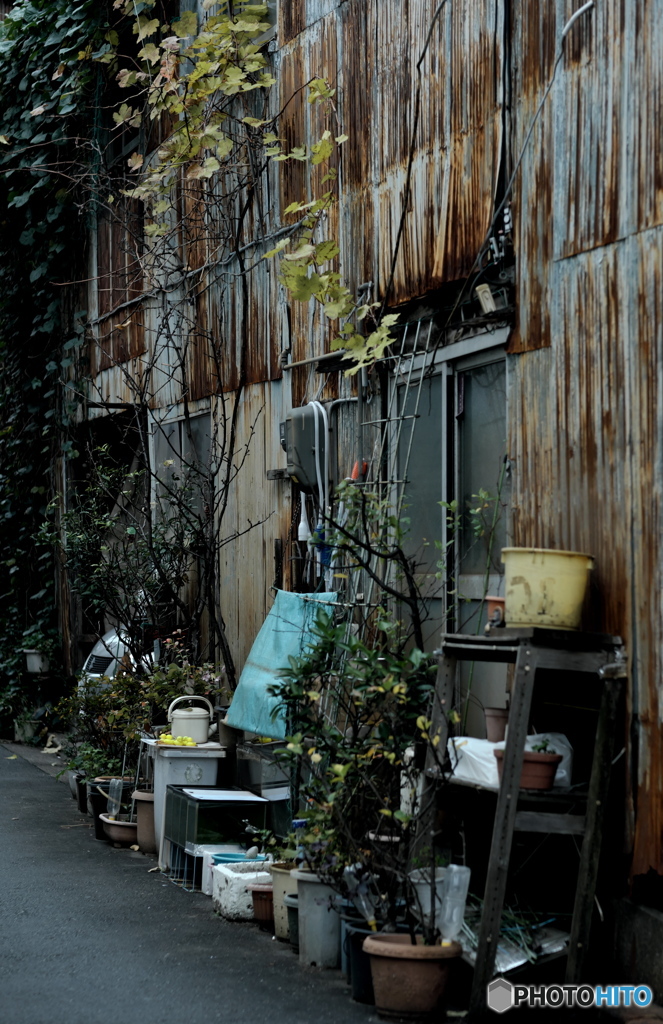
pixel 591 132
pixel 458 139
pixel 247 566
pixel 645 382
pixel 645 113
pixel 292 19
pixel 370 50
pixel 292 79
pixel 533 48
pixel 586 420
pixel 586 416
pixel 593 145
pixel 120 336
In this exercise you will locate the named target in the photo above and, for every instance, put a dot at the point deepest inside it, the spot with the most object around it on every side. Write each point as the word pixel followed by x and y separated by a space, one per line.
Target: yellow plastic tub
pixel 544 587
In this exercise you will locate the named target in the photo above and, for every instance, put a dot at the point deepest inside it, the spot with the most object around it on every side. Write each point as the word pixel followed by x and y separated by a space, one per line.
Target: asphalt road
pixel 88 936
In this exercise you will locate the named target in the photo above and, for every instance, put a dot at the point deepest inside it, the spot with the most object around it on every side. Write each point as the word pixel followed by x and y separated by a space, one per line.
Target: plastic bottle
pixel 298 825
pixel 454 896
pixel 114 802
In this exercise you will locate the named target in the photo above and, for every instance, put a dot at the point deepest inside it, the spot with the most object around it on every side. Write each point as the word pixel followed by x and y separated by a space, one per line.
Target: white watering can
pixel 193 722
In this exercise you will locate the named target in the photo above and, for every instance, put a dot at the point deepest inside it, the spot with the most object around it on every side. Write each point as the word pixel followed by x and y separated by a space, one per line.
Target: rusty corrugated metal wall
pixel 586 409
pixel 586 359
pixel 368 51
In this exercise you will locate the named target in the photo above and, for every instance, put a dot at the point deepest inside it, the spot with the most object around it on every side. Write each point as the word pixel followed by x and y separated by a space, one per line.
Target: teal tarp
pixel 285 632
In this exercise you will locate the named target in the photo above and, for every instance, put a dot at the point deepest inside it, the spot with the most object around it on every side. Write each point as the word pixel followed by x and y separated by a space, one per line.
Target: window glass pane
pixel 167 452
pixel 196 441
pixel 481 418
pixel 420 466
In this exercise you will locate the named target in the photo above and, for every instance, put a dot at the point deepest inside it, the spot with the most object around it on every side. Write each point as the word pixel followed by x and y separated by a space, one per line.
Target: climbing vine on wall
pixel 46 109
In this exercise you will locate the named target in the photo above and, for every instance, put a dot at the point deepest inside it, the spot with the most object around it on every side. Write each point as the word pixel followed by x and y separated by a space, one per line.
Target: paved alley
pixel 89 936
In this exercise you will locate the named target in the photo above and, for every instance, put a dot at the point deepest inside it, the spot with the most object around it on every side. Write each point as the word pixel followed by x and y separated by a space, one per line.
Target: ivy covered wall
pixel 47 123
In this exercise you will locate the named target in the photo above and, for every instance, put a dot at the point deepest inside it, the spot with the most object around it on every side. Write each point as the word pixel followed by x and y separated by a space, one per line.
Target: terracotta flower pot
pixel 538 770
pixel 496 719
pixel 263 905
pixel 408 981
pixel 495 610
pixel 145 820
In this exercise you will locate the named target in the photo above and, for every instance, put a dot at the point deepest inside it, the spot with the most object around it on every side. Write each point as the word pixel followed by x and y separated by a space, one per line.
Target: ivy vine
pixel 46 108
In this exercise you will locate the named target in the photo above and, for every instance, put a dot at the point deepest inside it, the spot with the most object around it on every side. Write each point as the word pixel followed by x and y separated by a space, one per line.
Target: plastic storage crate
pixel 201 815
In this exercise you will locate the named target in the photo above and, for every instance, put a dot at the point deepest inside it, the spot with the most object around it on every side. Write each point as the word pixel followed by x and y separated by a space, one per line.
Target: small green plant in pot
pixel 540 765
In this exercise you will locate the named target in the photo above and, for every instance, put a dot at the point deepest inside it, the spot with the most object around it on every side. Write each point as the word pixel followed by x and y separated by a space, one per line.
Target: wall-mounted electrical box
pixel 298 439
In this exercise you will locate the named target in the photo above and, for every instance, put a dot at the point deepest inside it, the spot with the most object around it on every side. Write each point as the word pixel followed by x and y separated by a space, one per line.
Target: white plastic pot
pixel 36 662
pixel 319 923
pixel 193 722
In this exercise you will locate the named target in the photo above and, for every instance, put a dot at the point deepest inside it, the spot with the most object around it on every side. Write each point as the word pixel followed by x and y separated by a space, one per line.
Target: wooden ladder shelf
pixel 530 650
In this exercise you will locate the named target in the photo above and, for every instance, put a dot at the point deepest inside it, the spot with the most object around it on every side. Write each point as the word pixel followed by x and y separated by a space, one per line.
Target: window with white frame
pixel 450 445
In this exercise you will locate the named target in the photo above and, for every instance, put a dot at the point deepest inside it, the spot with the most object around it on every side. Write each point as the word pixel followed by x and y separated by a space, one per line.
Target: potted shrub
pixel 359 775
pixel 92 768
pixel 409 980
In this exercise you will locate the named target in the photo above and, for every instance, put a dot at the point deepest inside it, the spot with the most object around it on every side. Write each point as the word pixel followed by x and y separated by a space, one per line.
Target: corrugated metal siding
pixel 120 278
pixel 247 567
pixel 586 414
pixel 533 47
pixel 591 131
pixel 456 163
pixel 645 110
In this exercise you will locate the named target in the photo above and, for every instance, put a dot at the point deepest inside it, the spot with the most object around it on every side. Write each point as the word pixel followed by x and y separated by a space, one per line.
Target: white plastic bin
pixel 319 923
pixel 179 766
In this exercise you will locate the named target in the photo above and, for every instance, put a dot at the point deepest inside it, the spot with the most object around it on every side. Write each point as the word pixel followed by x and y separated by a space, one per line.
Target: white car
pixel 108 655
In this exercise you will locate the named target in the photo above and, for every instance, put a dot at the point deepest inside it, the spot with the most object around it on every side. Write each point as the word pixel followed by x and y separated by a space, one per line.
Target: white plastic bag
pixel 473 760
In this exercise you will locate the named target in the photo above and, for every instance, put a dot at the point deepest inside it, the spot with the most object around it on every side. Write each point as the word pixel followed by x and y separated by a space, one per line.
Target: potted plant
pixel 539 765
pixel 32 724
pixel 75 773
pixel 359 780
pixel 27 726
pixel 41 647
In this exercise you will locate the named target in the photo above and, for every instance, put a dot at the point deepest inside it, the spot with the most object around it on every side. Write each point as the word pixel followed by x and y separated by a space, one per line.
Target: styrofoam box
pixel 229 894
pixel 206 853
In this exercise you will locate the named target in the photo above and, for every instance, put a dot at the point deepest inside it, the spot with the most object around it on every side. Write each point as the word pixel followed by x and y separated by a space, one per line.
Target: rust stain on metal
pixel 292 19
pixel 120 278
